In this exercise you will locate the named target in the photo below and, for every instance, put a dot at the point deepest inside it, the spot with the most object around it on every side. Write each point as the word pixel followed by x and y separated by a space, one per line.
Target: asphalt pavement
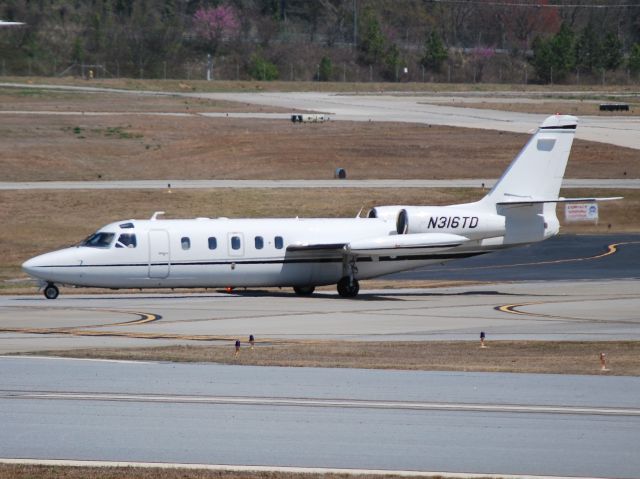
pixel 563 257
pixel 395 420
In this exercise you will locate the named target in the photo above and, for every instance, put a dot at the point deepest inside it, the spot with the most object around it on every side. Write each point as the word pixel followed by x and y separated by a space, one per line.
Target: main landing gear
pixel 348 287
pixel 51 291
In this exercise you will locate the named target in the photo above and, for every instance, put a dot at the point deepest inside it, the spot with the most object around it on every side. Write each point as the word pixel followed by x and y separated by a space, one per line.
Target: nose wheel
pixel 348 287
pixel 51 291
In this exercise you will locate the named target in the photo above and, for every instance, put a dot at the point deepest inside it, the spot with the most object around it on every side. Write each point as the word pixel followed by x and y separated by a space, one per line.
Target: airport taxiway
pixel 586 426
pixel 570 287
pixel 552 310
pixel 421 108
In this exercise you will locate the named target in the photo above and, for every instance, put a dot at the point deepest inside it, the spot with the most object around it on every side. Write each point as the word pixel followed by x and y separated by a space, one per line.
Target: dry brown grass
pixel 82 147
pixel 35 221
pixel 9 471
pixel 553 357
pixel 27 99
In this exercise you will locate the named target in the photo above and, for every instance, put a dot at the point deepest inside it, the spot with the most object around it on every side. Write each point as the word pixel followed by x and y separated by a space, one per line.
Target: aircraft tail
pixel 537 172
pixel 528 192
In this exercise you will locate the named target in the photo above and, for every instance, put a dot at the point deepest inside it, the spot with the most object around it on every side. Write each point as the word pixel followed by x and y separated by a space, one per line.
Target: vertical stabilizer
pixel 525 193
pixel 537 172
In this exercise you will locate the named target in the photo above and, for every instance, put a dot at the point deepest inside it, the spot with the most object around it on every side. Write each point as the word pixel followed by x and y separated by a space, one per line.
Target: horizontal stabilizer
pixel 410 244
pixel 557 200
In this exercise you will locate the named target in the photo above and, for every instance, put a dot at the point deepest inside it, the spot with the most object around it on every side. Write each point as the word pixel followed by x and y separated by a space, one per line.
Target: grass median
pixel 546 357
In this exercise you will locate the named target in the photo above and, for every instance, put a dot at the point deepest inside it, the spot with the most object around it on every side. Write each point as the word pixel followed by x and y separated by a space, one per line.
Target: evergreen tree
pixel 588 50
pixel 371 40
pixel 391 62
pixel 634 59
pixel 261 69
pixel 612 51
pixel 553 57
pixel 435 53
pixel 325 69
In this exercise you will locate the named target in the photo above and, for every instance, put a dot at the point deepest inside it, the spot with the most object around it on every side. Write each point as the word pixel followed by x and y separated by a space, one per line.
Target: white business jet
pixel 305 253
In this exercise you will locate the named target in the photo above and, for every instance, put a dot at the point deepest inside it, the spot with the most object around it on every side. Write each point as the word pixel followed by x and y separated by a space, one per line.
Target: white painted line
pixel 319 402
pixel 284 469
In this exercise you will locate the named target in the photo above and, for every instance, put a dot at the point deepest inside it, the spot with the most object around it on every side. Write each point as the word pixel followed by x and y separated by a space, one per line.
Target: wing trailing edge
pixel 405 245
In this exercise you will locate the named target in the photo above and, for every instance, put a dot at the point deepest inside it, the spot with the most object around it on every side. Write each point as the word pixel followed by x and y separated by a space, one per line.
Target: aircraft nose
pixel 31 266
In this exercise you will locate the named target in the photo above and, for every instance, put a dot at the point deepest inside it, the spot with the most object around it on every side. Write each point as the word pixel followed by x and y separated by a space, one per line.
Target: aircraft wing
pixel 392 245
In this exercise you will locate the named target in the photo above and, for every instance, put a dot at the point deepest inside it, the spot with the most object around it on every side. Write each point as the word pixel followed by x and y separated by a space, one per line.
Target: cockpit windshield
pixel 99 240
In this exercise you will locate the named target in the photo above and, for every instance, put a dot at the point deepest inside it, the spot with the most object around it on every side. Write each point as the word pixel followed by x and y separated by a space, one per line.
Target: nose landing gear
pixel 348 287
pixel 51 291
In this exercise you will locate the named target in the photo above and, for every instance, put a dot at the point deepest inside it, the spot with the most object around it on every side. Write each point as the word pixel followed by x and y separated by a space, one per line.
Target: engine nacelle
pixel 386 213
pixel 471 224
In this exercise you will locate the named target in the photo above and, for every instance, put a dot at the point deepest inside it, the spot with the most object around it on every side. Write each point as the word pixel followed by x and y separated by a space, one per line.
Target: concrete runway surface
pixel 314 417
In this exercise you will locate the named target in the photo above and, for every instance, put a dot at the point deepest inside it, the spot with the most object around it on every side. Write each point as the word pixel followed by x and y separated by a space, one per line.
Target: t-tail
pixel 519 209
pixel 529 190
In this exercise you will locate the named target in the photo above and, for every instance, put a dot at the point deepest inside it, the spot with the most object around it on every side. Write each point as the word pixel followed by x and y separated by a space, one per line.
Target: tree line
pixel 326 40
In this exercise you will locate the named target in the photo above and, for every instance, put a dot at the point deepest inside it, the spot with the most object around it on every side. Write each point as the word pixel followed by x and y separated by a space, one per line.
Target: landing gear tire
pixel 51 291
pixel 348 288
pixel 304 290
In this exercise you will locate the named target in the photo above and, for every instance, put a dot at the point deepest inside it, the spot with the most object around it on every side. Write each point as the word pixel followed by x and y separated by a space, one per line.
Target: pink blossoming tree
pixel 215 25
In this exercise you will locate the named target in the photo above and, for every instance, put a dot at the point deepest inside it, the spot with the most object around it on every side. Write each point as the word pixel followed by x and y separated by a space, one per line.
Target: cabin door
pixel 159 258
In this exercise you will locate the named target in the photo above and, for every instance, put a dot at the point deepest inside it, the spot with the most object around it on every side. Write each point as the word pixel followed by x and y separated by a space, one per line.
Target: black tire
pixel 51 291
pixel 348 289
pixel 304 290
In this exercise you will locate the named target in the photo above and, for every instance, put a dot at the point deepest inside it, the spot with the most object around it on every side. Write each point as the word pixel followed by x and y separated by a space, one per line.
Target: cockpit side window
pixel 127 240
pixel 99 240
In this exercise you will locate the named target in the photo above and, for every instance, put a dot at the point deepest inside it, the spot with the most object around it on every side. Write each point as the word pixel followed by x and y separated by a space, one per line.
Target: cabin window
pixel 259 242
pixel 213 242
pixel 279 243
pixel 185 241
pixel 99 240
pixel 126 240
pixel 235 242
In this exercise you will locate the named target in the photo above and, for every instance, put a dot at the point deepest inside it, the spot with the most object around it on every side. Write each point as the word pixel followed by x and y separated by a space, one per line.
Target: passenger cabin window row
pixel 236 242
pixel 278 242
